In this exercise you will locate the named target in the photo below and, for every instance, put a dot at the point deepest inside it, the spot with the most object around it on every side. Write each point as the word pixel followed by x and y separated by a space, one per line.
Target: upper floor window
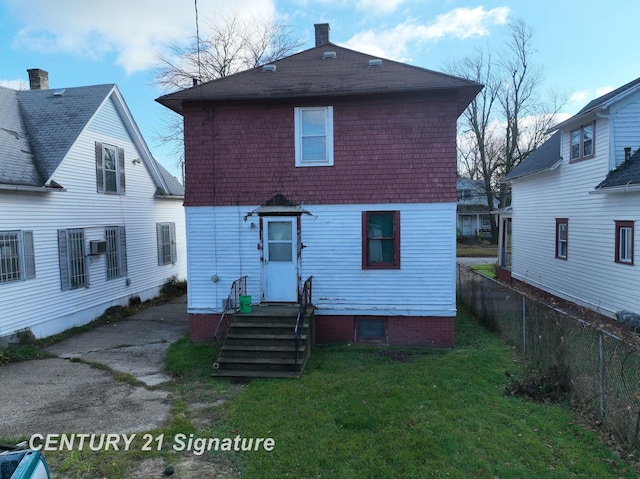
pixel 582 141
pixel 562 237
pixel 110 169
pixel 624 242
pixel 381 240
pixel 314 136
pixel 17 258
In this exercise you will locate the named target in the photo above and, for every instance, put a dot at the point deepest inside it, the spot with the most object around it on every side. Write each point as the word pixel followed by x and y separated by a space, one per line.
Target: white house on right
pixel 575 205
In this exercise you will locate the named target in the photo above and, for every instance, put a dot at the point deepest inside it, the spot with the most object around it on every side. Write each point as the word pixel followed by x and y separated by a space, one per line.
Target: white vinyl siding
pixel 568 192
pixel 79 206
pixel 221 243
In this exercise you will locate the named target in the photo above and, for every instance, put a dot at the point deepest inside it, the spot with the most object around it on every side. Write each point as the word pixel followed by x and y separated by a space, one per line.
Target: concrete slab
pixel 59 395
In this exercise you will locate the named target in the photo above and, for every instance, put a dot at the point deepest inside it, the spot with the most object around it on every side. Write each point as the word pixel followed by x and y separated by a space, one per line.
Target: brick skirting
pixel 433 331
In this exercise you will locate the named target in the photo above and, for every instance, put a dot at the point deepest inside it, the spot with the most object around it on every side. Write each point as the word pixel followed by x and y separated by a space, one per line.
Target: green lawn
pixel 360 413
pixel 366 412
pixel 486 269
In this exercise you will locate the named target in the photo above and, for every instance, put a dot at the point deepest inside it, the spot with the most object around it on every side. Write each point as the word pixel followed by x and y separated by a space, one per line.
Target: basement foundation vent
pixel 326 55
pixel 375 62
pixel 268 68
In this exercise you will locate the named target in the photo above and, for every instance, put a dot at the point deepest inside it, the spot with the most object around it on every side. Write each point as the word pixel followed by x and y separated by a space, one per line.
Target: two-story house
pixel 575 204
pixel 334 164
pixel 89 218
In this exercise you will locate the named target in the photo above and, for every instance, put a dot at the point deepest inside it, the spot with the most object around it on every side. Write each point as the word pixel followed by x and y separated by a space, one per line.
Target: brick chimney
pixel 38 79
pixel 322 34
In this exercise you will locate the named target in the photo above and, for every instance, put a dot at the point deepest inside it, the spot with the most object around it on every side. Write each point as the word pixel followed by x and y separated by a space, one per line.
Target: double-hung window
pixel 17 258
pixel 562 237
pixel 166 236
pixel 314 136
pixel 582 141
pixel 624 242
pixel 72 257
pixel 381 240
pixel 116 255
pixel 110 169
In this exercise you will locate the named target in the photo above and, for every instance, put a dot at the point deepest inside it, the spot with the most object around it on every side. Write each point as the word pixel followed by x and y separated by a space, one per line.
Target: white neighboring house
pixel 89 218
pixel 575 204
pixel 473 212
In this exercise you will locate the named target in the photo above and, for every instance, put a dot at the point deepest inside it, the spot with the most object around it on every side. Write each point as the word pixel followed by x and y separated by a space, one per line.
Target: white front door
pixel 280 240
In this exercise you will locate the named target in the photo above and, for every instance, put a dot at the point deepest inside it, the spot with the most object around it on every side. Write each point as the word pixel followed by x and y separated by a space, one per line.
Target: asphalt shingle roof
pixel 542 158
pixel 627 174
pixel 17 161
pixel 55 122
pixel 38 127
pixel 307 74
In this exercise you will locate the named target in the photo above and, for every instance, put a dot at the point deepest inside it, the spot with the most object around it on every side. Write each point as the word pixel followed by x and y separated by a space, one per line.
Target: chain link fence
pixel 602 366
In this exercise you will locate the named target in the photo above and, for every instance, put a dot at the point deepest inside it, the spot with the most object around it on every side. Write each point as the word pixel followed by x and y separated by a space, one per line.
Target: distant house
pixel 333 164
pixel 473 211
pixel 576 201
pixel 89 218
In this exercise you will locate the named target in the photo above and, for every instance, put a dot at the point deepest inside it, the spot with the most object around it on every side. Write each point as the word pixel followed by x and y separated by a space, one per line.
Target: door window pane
pixel 280 231
pixel 280 252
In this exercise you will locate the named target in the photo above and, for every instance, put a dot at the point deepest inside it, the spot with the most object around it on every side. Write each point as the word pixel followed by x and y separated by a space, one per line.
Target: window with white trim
pixel 624 242
pixel 166 235
pixel 17 258
pixel 582 141
pixel 314 136
pixel 116 255
pixel 110 169
pixel 72 257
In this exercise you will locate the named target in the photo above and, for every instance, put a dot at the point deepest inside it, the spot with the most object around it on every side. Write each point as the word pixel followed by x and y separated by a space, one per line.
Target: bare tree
pixel 508 119
pixel 230 45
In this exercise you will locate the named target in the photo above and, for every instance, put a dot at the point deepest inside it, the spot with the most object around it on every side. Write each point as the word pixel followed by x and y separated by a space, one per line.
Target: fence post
pixel 601 373
pixel 524 325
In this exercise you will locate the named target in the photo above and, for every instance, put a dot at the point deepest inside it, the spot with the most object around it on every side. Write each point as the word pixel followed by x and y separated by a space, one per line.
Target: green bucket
pixel 245 304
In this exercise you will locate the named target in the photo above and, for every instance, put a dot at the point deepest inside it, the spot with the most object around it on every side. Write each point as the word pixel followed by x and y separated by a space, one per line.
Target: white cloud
pixel 14 84
pixel 132 30
pixel 379 7
pixel 604 90
pixel 578 97
pixel 460 23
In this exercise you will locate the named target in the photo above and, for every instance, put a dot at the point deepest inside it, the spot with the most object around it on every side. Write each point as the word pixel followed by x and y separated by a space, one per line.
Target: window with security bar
pixel 17 258
pixel 72 256
pixel 116 256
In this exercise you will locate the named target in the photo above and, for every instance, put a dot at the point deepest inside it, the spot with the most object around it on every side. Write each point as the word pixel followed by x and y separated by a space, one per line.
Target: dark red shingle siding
pixel 393 150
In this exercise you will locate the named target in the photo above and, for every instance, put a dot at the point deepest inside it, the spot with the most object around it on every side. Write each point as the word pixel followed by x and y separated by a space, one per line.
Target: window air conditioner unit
pixel 98 247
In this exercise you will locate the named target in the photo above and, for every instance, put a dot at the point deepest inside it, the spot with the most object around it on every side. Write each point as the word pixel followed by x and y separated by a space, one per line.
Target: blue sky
pixel 585 48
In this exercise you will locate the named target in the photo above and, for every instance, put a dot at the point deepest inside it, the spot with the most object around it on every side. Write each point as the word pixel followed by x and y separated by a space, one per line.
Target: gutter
pixel 635 188
pixel 31 189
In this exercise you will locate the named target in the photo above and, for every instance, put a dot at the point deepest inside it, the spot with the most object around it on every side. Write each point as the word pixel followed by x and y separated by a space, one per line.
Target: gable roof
pixel 39 127
pixel 308 74
pixel 626 175
pixel 601 103
pixel 545 157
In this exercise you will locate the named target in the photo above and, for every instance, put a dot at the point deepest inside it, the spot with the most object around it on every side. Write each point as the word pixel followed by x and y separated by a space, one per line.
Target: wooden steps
pixel 261 344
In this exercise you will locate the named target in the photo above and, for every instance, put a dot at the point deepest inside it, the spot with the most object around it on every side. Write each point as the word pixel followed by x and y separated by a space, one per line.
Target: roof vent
pixel 59 92
pixel 375 62
pixel 268 68
pixel 326 55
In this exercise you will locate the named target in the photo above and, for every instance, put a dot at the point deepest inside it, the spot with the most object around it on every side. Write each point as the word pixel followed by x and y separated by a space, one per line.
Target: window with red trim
pixel 562 237
pixel 381 240
pixel 624 242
